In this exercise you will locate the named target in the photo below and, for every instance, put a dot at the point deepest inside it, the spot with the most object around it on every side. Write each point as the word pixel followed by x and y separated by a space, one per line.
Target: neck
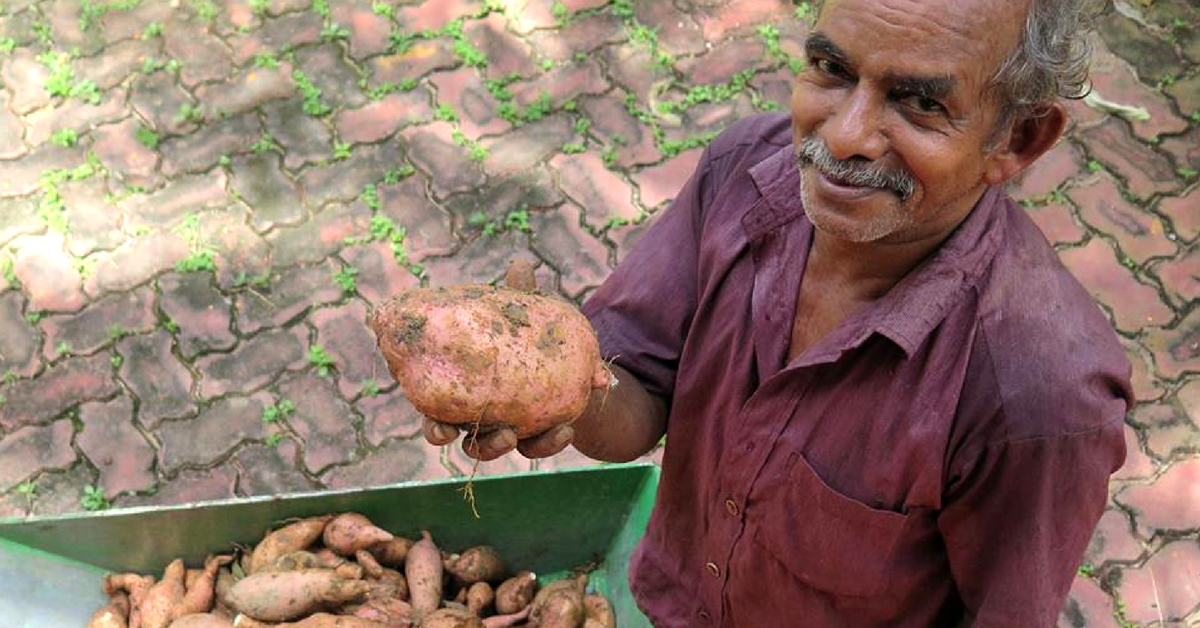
pixel 868 270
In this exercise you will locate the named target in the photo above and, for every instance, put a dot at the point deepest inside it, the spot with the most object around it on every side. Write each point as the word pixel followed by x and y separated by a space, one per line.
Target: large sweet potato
pixel 290 538
pixel 287 595
pixel 491 357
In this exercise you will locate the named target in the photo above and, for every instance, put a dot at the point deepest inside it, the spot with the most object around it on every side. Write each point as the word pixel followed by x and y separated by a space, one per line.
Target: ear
pixel 1026 139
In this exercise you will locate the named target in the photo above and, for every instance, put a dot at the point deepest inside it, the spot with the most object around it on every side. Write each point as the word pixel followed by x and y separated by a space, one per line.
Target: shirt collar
pixel 920 301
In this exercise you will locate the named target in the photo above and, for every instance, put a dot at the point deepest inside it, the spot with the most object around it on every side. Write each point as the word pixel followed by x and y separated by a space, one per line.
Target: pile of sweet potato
pixel 342 571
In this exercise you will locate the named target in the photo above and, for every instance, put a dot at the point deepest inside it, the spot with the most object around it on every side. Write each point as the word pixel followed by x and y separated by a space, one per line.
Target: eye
pixel 923 104
pixel 830 67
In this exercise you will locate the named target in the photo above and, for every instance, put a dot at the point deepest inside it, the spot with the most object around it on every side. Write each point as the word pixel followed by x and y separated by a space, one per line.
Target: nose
pixel 853 130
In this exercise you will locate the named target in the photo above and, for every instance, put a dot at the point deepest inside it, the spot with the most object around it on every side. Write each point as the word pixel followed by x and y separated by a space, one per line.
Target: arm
pixel 621 423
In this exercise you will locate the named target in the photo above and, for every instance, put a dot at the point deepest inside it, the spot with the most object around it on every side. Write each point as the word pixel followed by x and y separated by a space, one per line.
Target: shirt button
pixel 732 507
pixel 713 569
pixel 704 616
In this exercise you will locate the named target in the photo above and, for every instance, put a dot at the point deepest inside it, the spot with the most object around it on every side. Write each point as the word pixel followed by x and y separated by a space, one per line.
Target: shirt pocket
pixel 828 541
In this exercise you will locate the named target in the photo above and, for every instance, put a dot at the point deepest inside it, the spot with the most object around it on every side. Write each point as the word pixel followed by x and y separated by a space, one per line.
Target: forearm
pixel 621 423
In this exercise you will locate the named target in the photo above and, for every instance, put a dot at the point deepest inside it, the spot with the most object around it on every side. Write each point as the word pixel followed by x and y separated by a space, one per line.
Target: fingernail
pixel 442 432
pixel 564 436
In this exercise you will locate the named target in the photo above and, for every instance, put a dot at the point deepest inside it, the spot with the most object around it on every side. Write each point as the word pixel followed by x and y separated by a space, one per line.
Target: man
pixel 886 403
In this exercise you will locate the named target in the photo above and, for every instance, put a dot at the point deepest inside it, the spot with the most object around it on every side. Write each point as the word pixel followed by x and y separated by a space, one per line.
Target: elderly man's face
pixel 891 115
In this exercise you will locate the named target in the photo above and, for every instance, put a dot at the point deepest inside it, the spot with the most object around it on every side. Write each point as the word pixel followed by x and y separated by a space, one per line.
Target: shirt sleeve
pixel 643 311
pixel 1017 521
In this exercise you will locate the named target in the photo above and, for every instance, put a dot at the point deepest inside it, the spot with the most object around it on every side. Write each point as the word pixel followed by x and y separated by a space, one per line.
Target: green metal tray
pixel 546 522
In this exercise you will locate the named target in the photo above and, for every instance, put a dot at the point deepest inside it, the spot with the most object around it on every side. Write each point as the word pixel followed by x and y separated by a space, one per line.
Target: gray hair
pixel 1050 61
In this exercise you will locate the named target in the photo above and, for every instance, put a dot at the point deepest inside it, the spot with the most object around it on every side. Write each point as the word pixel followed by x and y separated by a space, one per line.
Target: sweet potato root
pixel 477 564
pixel 371 567
pixel 451 618
pixel 290 538
pixel 480 597
pixel 159 607
pixel 490 357
pixel 114 614
pixel 506 621
pixel 423 571
pixel 597 607
pixel 349 532
pixel 392 553
pixel 559 604
pixel 515 593
pixel 202 620
pixel 288 595
pixel 201 592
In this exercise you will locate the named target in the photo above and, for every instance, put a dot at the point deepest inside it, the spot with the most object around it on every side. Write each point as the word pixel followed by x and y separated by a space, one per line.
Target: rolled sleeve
pixel 643 311
pixel 1017 523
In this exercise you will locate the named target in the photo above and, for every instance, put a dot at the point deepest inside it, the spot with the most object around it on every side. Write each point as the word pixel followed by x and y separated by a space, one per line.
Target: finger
pixel 491 445
pixel 439 433
pixel 547 443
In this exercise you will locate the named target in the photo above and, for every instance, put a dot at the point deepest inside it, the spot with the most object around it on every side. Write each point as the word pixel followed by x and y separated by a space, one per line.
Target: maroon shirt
pixel 945 451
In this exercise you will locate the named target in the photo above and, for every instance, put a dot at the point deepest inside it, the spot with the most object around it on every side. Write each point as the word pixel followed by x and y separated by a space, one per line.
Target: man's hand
pixel 496 443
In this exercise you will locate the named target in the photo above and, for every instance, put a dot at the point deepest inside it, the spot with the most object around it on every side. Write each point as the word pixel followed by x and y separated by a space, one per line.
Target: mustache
pixel 814 152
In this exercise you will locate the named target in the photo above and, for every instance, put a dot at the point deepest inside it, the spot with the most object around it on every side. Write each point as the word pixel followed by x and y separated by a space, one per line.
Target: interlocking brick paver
pixel 434 14
pixel 432 149
pixel 1137 466
pixel 66 383
pixel 156 378
pixel 61 492
pixel 201 150
pixel 606 198
pixel 30 449
pixel 322 419
pixel 426 225
pixel 93 221
pixel 1150 55
pixel 121 152
pixel 580 36
pixel 1114 79
pixel 76 115
pixel 463 91
pixel 345 179
pixel 1176 350
pixel 337 80
pixel 321 235
pixel 168 205
pixel 249 89
pixel 528 146
pixel 26 77
pixel 1097 268
pixel 21 176
pixel 481 261
pixel 1146 384
pixel 1169 429
pixel 1088 606
pixel 215 431
pixel 379 276
pixel 1057 223
pixel 113 444
pixel 303 138
pixel 1113 540
pixel 98 324
pixel 135 261
pixel 775 88
pixel 292 292
pixel 159 99
pixel 47 274
pixel 189 486
pixel 380 118
pixel 1055 170
pixel 343 333
pixel 395 462
pixel 291 29
pixel 631 67
pixel 631 143
pixel 660 183
pixel 202 312
pixel 118 62
pixel 253 363
pixel 368 30
pixel 17 217
pixel 725 60
pixel 274 197
pixel 11 131
pixel 19 339
pixel 388 415
pixel 501 198
pixel 270 469
pixel 1182 212
pixel 1166 588
pixel 562 240
pixel 419 59
pixel 741 15
pixel 564 83
pixel 1145 171
pixel 204 56
pixel 1171 502
pixel 1181 276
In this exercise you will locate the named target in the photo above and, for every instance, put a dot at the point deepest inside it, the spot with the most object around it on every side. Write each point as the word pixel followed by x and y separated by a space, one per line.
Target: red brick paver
pixel 197 234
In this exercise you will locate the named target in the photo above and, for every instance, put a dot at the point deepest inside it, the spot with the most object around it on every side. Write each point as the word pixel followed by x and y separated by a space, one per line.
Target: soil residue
pixel 412 329
pixel 516 315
